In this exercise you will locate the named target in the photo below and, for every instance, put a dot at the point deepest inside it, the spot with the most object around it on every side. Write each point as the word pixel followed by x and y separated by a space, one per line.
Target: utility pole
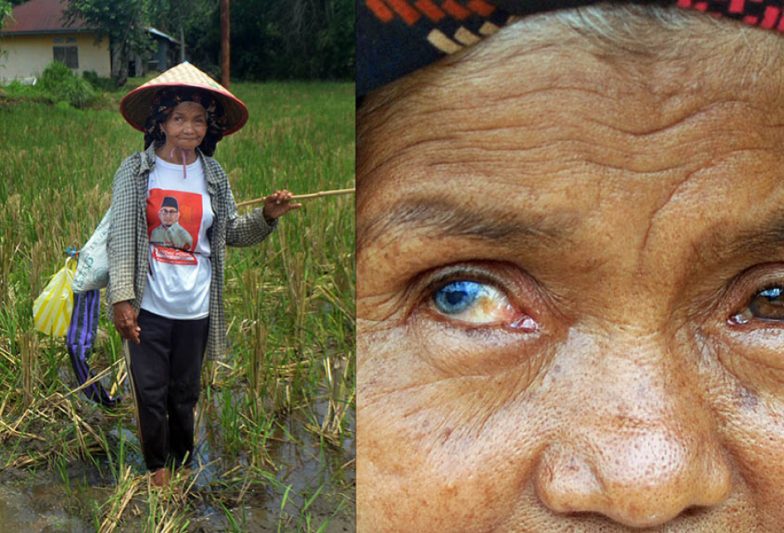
pixel 182 42
pixel 225 51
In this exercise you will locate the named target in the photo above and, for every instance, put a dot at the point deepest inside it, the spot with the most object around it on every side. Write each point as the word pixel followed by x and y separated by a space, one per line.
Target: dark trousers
pixel 166 370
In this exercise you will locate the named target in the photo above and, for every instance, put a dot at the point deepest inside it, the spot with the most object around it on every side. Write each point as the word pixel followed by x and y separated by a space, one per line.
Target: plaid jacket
pixel 128 244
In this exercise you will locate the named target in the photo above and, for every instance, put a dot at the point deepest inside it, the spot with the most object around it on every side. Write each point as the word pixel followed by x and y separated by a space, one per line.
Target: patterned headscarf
pixel 164 103
pixel 395 37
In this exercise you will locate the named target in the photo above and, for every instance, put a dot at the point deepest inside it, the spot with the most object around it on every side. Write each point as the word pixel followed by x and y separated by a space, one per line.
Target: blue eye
pixel 456 297
pixel 479 304
pixel 771 294
pixel 767 304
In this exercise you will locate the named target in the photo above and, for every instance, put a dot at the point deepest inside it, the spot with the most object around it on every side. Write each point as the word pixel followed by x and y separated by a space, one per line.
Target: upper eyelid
pixel 432 286
pixel 750 282
pixel 734 294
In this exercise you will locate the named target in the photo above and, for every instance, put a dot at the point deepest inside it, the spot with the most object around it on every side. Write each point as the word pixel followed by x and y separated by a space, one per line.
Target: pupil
pixel 456 297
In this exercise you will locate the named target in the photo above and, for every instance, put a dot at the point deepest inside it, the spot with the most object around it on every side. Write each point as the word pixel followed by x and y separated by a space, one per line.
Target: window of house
pixel 69 55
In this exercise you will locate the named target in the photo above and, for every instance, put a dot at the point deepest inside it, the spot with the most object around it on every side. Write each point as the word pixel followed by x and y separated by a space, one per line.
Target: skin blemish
pixel 745 398
pixel 445 434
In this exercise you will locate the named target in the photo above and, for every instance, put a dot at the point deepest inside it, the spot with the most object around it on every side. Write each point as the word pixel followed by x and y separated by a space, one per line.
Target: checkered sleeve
pixel 122 233
pixel 248 229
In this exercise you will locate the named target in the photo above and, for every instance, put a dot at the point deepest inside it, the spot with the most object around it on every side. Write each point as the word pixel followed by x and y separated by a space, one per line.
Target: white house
pixel 36 34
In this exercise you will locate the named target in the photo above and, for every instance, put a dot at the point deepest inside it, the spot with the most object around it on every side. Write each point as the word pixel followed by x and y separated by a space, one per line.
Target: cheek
pixel 751 406
pixel 753 431
pixel 744 386
pixel 435 451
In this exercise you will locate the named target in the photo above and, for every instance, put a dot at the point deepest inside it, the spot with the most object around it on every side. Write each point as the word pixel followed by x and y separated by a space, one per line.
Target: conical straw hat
pixel 135 106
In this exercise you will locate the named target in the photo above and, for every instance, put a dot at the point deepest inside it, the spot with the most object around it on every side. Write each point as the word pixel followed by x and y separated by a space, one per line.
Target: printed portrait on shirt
pixel 173 219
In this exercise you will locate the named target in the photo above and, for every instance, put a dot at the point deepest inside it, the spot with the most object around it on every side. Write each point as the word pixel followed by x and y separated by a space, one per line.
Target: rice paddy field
pixel 275 430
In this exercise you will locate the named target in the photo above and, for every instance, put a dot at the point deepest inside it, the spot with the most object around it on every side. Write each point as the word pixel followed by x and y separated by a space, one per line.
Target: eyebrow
pixel 768 234
pixel 446 218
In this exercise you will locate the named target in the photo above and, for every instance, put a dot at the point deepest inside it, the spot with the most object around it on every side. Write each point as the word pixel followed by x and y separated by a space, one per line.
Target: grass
pixel 275 422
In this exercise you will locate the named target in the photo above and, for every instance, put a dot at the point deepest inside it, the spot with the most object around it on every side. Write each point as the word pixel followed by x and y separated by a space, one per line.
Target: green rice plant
pixel 284 396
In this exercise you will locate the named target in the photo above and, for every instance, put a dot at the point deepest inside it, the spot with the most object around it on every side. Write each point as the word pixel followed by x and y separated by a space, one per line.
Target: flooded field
pixel 275 420
pixel 69 498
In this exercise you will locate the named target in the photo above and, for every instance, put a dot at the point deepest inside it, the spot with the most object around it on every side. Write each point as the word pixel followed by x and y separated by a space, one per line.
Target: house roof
pixel 158 33
pixel 41 16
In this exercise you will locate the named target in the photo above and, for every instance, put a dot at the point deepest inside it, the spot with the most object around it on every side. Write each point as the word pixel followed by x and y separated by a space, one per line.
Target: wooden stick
pixel 309 196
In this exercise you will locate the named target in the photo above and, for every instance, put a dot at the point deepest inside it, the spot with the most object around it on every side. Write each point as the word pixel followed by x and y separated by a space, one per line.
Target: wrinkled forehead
pixel 540 92
pixel 543 128
pixel 190 108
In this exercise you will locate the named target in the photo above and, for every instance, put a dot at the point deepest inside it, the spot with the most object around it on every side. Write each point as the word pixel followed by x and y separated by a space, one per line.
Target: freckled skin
pixel 635 404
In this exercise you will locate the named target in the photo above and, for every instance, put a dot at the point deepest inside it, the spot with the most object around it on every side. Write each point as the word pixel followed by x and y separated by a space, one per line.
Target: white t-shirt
pixel 179 213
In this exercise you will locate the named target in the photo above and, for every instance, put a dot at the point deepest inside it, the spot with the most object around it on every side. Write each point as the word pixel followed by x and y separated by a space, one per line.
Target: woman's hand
pixel 278 204
pixel 125 321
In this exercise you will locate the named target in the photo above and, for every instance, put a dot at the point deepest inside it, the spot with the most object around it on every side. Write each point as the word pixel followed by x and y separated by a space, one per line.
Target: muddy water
pixel 43 501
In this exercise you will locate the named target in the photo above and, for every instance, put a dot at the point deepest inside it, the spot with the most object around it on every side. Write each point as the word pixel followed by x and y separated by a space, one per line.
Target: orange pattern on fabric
pixel 481 8
pixel 406 12
pixel 380 10
pixel 430 9
pixel 455 9
pixel 385 10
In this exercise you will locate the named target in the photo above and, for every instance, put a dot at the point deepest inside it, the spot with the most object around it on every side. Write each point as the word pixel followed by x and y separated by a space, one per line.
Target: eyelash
pixel 745 316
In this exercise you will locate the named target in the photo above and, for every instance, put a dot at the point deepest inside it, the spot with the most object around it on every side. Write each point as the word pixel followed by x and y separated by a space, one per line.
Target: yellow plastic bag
pixel 52 309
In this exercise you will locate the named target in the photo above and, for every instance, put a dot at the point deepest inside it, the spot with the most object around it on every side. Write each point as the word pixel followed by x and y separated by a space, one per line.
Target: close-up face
pixel 570 287
pixel 168 215
pixel 186 126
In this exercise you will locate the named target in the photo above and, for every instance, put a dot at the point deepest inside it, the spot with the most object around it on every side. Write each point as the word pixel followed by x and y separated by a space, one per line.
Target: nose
pixel 644 449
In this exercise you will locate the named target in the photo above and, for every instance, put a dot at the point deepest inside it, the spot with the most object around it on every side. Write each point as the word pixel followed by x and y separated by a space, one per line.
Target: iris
pixel 768 304
pixel 457 296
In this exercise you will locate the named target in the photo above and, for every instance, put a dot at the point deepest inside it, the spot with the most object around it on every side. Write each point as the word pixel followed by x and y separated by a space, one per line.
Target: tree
pixel 171 16
pixel 277 39
pixel 5 11
pixel 125 23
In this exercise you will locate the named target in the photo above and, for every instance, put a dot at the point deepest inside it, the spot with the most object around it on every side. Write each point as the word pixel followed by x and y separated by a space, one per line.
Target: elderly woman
pixel 571 279
pixel 172 216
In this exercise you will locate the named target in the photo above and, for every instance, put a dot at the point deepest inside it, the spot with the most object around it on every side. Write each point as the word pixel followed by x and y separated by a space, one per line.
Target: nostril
pixel 694 510
pixel 599 520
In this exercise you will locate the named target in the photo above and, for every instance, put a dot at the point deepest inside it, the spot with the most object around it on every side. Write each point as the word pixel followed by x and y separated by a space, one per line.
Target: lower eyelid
pixel 479 351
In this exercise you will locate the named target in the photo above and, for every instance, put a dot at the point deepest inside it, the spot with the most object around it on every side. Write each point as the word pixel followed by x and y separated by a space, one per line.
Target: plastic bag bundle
pixel 93 269
pixel 52 309
pixel 79 341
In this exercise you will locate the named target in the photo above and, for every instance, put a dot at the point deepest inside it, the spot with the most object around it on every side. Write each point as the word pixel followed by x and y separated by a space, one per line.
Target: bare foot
pixel 161 477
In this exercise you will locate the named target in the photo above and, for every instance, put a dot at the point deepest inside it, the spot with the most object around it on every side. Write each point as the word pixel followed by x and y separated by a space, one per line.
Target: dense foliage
pixel 57 85
pixel 280 39
pixel 5 10
pixel 270 39
pixel 125 23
